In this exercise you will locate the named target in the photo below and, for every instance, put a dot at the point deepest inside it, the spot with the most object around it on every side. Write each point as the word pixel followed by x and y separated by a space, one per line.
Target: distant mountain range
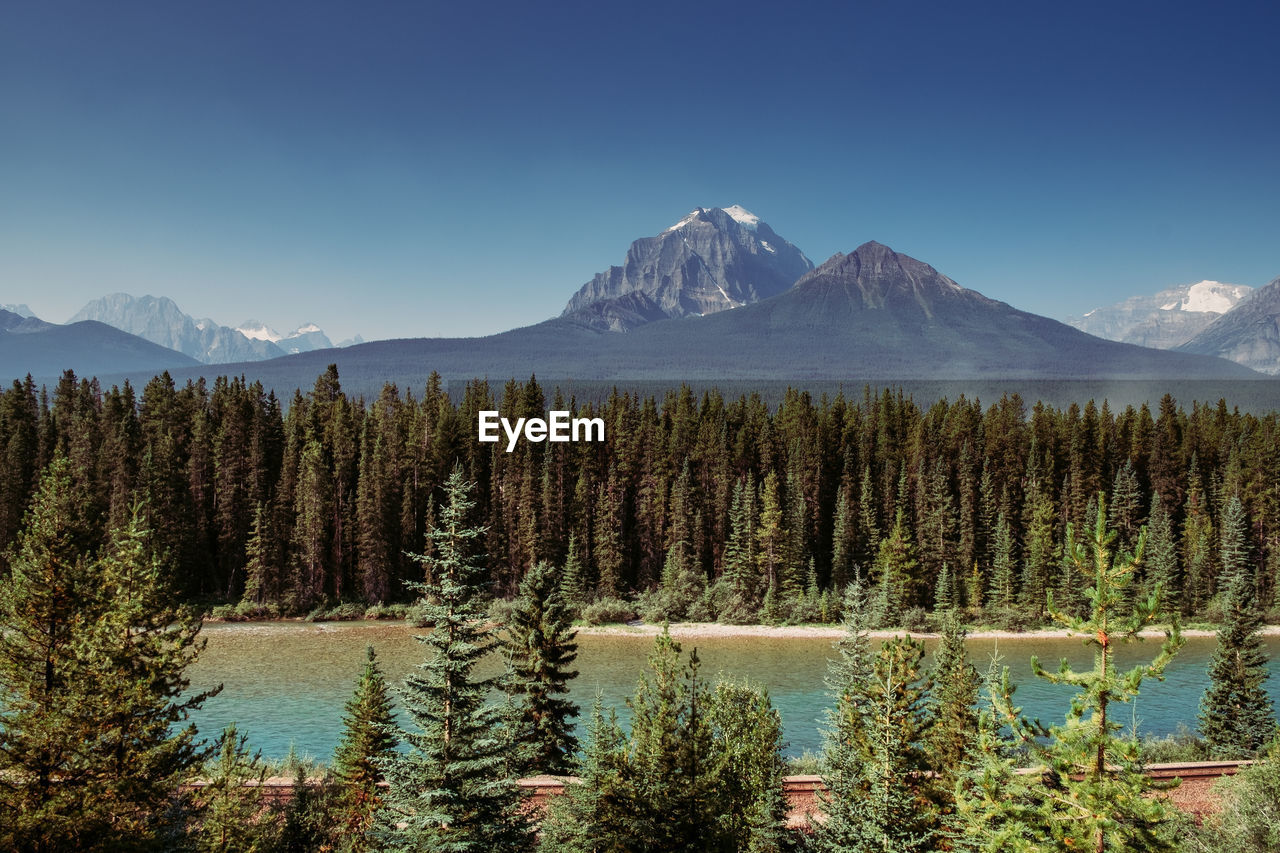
pixel 871 315
pixel 1248 334
pixel 305 338
pixel 29 345
pixel 712 260
pixel 159 320
pixel 1166 319
pixel 719 295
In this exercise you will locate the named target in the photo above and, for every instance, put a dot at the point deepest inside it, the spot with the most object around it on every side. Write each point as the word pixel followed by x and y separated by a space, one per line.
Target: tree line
pixel 692 507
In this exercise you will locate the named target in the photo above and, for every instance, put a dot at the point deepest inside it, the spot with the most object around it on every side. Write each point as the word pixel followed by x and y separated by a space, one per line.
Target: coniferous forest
pixel 692 508
pixel 126 515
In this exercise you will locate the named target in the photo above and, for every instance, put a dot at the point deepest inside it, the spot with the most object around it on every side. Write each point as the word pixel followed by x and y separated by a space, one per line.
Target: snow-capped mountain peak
pixel 258 331
pixel 736 212
pixel 742 216
pixel 305 329
pixel 1166 319
pixel 1209 297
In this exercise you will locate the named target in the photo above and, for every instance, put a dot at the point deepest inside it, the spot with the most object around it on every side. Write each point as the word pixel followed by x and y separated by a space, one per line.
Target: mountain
pixel 1248 334
pixel 44 350
pixel 305 338
pixel 159 320
pixel 712 260
pixel 872 315
pixel 20 309
pixel 1164 320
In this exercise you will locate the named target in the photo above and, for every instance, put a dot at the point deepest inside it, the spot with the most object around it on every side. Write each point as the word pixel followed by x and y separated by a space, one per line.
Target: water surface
pixel 285 684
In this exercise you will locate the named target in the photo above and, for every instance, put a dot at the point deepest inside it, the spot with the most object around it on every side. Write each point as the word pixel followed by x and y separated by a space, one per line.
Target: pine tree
pixel 670 760
pixel 232 817
pixel 1098 801
pixel 997 809
pixel 92 663
pixel 1125 513
pixel 741 573
pixel 1234 546
pixel 454 789
pixel 873 754
pixel 139 651
pixel 771 537
pixel 367 745
pixel 542 647
pixel 1236 715
pixel 894 568
pixel 1163 569
pixel 1002 568
pixel 573 581
pixel 953 702
pixel 594 814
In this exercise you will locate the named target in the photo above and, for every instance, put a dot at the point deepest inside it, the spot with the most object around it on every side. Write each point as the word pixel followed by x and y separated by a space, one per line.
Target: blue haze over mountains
pixel 718 296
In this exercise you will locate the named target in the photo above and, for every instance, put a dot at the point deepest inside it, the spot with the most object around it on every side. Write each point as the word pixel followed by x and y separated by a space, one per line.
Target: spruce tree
pixel 670 760
pixel 1236 715
pixel 573 581
pixel 1002 566
pixel 454 789
pixel 1163 568
pixel 368 743
pixel 953 702
pixel 541 645
pixel 138 652
pixel 594 814
pixel 894 569
pixel 874 758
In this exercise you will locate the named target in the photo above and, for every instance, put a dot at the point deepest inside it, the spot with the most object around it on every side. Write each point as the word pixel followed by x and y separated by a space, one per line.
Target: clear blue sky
pixel 423 168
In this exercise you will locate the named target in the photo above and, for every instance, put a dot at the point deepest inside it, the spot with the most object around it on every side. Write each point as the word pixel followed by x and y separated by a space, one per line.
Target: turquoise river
pixel 285 684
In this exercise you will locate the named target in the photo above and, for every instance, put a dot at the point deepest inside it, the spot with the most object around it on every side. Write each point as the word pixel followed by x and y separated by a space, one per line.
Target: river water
pixel 285 683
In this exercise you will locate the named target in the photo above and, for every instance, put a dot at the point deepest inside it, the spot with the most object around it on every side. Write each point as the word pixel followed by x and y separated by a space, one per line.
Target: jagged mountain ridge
pixel 712 260
pixel 1248 334
pixel 1166 319
pixel 305 338
pixel 870 315
pixel 159 319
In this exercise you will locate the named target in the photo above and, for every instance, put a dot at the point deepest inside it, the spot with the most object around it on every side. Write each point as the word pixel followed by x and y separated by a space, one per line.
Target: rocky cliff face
pixel 712 260
pixel 159 320
pixel 1166 319
pixel 1248 334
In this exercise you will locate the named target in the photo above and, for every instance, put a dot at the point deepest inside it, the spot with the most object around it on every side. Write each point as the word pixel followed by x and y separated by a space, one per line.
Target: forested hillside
pixel 715 508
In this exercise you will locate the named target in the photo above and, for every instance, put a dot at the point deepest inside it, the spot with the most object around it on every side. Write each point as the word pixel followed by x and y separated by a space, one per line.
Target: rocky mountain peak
pixel 714 259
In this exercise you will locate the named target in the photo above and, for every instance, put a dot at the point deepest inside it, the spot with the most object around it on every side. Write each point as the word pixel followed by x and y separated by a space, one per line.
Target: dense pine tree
pixel 1236 713
pixel 874 758
pixel 454 789
pixel 541 645
pixel 92 663
pixel 367 746
pixel 954 703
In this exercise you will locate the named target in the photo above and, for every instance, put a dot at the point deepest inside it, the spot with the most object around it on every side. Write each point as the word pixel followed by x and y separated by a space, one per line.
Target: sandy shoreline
pixel 700 630
pixel 695 630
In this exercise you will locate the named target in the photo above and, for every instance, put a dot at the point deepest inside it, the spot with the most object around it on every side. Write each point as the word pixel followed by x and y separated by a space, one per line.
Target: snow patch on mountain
pixel 257 331
pixel 1209 297
pixel 742 216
